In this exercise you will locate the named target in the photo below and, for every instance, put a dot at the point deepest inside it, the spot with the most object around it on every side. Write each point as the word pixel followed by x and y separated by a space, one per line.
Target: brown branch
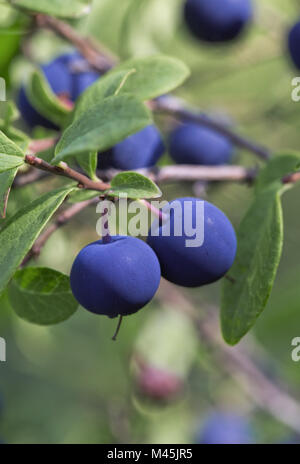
pixel 177 108
pixel 37 146
pixel 64 170
pixel 97 57
pixel 191 173
pixel 236 362
pixel 291 178
pixel 61 220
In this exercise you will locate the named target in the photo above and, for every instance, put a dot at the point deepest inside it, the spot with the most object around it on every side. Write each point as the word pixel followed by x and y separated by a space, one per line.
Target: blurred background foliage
pixel 70 383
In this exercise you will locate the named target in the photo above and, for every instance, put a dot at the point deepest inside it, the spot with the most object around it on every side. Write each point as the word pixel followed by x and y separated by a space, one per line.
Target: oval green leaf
pixel 248 284
pixel 21 231
pixel 107 86
pixel 44 100
pixel 277 168
pixel 42 296
pixel 102 126
pixel 154 76
pixel 134 186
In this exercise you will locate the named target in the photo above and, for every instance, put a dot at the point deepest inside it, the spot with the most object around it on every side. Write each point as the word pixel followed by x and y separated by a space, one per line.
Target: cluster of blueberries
pixel 129 269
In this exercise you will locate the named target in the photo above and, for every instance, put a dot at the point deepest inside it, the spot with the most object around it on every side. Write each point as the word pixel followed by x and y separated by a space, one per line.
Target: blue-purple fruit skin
pixel 217 20
pixel 63 79
pixel 193 144
pixel 225 429
pixel 294 44
pixel 194 266
pixel 140 150
pixel 116 278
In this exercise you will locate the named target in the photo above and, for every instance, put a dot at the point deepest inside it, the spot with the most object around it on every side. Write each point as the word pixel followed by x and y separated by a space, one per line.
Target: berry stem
pixel 114 338
pixel 106 237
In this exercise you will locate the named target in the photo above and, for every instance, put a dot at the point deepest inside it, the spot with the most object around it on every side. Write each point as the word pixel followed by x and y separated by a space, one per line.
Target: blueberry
pixel 65 77
pixel 293 44
pixel 140 150
pixel 192 144
pixel 116 278
pixel 217 20
pixel 225 429
pixel 184 257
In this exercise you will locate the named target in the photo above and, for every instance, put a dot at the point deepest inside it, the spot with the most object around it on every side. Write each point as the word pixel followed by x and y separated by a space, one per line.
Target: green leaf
pixel 6 180
pixel 277 168
pixel 249 282
pixel 154 76
pixel 102 126
pixel 8 147
pixel 58 8
pixel 8 162
pixel 21 231
pixel 15 135
pixel 104 87
pixel 44 99
pixel 88 162
pixel 11 114
pixel 42 296
pixel 82 195
pixel 134 185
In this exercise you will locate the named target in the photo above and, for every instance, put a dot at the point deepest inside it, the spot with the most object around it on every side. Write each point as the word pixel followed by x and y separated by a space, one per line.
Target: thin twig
pixel 291 178
pixel 37 146
pixel 64 170
pixel 61 220
pixel 191 173
pixel 177 108
pixel 236 361
pixel 97 57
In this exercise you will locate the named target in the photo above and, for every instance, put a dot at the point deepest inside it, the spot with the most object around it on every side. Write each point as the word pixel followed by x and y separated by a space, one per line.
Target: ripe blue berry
pixel 140 150
pixel 192 144
pixel 217 20
pixel 66 78
pixel 294 44
pixel 225 429
pixel 193 266
pixel 116 278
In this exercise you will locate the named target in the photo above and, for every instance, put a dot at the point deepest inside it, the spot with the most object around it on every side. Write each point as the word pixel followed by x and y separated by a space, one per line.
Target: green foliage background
pixel 70 383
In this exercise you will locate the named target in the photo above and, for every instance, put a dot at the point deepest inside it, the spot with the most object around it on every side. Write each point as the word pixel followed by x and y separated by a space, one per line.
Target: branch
pixel 99 59
pixel 28 178
pixel 237 362
pixel 177 108
pixel 39 145
pixel 64 170
pixel 62 219
pixel 103 61
pixel 190 173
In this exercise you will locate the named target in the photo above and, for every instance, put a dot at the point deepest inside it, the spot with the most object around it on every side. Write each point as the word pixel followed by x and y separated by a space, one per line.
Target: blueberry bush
pixel 187 101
